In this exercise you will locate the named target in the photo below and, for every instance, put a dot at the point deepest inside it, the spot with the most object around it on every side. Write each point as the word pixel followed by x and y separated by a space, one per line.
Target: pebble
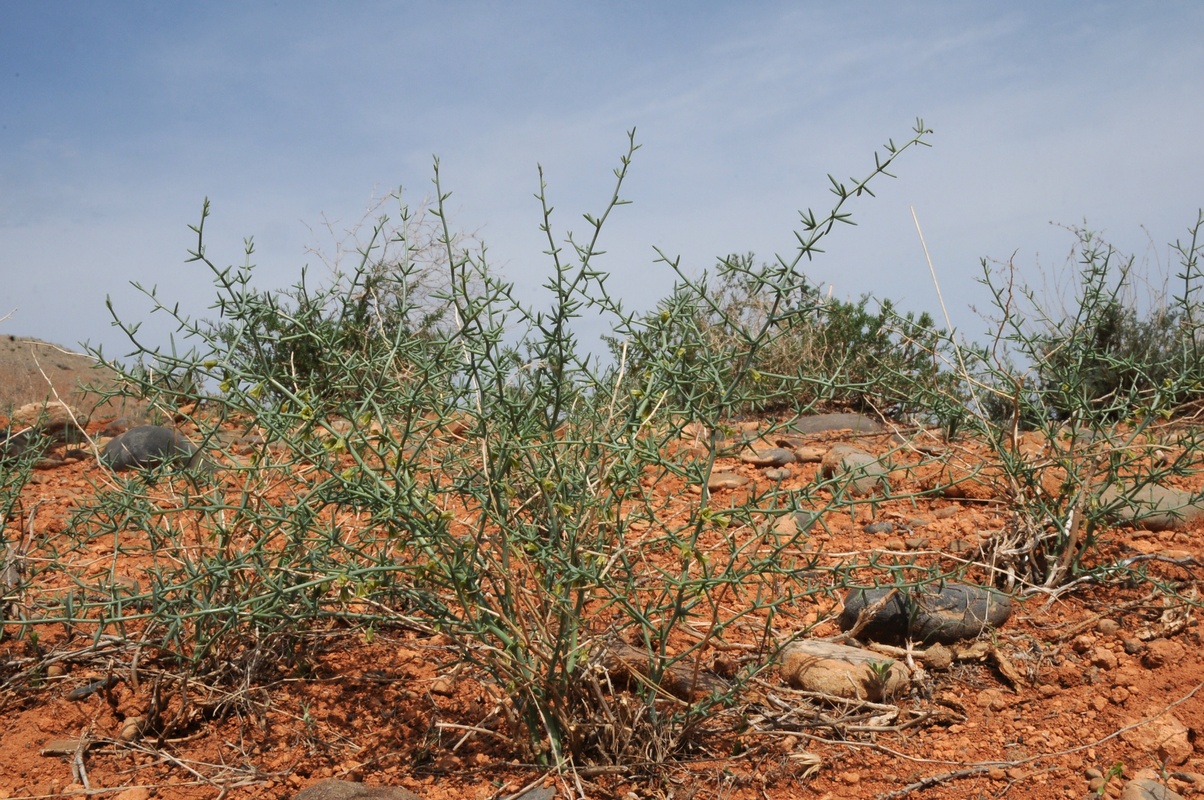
pixel 443 685
pixel 1107 627
pixel 768 457
pixel 725 480
pixel 916 543
pixel 1158 653
pixel 131 729
pixel 810 454
pixel 879 527
pixel 1103 658
pixel 777 473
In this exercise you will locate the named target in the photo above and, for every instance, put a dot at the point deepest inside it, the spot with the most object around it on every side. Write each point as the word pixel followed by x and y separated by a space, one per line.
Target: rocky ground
pixel 1087 692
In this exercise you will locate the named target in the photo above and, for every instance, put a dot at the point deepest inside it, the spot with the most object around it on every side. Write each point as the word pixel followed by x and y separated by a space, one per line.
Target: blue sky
pixel 117 119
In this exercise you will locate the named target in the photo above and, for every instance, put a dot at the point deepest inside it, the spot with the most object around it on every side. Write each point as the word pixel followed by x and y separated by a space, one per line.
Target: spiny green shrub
pixel 482 478
pixel 1112 357
pixel 821 352
pixel 1095 384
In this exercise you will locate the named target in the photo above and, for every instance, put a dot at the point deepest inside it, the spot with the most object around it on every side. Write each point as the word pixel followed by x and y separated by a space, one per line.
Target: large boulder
pixel 149 446
pixel 945 612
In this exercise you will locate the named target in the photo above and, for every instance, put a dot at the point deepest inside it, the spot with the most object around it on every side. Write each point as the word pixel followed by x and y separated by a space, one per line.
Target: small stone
pixel 348 790
pixel 777 473
pixel 443 685
pixel 1119 695
pixel 894 544
pixel 55 671
pixel 768 457
pixel 1158 653
pixel 1099 703
pixel 916 543
pixel 854 469
pixel 809 454
pixel 784 525
pixel 938 657
pixel 996 774
pixel 1097 783
pixel 959 546
pixel 992 699
pixel 1047 690
pixel 946 512
pixel 725 480
pixel 1133 646
pixel 1107 627
pixel 1103 658
pixel 134 793
pixel 1083 643
pixel 850 778
pixel 132 729
pixel 879 527
pixel 1091 772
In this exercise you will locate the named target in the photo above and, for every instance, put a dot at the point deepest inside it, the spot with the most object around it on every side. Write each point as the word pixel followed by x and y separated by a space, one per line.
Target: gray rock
pixel 1147 789
pixel 932 613
pixel 768 457
pixel 725 480
pixel 150 446
pixel 864 472
pixel 538 793
pixel 333 789
pixel 1153 507
pixel 822 423
pixel 879 527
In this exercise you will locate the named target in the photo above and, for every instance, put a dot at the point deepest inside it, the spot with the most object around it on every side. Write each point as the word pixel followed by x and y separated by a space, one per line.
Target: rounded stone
pixel 931 613
pixel 149 446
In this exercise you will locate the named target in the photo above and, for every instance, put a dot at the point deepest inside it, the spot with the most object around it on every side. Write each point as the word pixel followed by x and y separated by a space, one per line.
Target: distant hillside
pixel 29 367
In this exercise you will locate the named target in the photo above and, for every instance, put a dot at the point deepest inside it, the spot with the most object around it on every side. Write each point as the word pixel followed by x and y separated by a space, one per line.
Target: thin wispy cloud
pixel 116 121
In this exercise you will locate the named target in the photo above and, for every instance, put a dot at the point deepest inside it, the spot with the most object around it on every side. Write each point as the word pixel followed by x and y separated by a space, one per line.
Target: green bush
pixel 479 476
pixel 1096 383
pixel 818 353
pixel 1110 357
